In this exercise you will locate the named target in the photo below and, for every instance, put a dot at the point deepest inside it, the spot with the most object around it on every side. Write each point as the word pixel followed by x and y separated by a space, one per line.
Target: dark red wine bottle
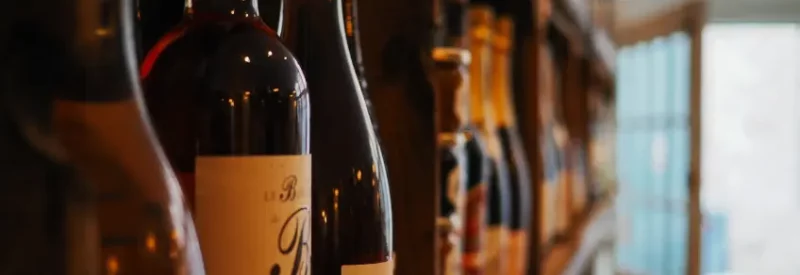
pixel 72 74
pixel 352 213
pixel 231 107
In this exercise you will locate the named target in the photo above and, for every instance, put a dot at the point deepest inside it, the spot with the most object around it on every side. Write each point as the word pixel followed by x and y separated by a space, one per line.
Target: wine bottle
pixel 231 107
pixel 352 213
pixel 513 151
pixel 481 20
pixel 548 146
pixel 563 190
pixel 462 162
pixel 450 78
pixel 124 214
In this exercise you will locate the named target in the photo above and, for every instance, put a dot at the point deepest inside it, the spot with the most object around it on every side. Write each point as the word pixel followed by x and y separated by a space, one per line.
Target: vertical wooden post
pixel 526 100
pixel 696 22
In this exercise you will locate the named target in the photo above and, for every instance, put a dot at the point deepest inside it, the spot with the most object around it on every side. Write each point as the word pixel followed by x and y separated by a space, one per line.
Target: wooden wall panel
pixel 526 100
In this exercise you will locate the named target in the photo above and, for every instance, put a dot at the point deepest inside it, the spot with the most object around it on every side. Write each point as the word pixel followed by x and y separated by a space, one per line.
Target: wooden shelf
pixel 574 255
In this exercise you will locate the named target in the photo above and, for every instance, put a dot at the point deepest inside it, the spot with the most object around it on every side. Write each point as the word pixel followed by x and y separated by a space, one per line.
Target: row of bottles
pixel 215 143
pixel 486 208
pixel 218 110
pixel 485 185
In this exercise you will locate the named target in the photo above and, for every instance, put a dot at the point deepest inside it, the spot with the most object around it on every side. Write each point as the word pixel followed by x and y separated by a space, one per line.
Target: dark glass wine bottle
pixel 481 20
pixel 231 108
pixel 352 216
pixel 513 151
pixel 450 78
pixel 70 86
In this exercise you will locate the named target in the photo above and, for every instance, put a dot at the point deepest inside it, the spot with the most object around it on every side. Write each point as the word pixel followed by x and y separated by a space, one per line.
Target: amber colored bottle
pixel 481 21
pixel 513 151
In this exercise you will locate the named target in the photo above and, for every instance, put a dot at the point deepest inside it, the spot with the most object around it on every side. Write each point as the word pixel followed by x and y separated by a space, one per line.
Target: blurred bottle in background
pixel 510 141
pixel 481 21
pixel 562 189
pixel 449 77
pixel 550 160
pixel 580 195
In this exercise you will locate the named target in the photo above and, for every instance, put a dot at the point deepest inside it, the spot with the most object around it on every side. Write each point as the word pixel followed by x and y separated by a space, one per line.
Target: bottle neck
pixel 233 8
pixel 451 84
pixel 501 90
pixel 312 23
pixel 480 20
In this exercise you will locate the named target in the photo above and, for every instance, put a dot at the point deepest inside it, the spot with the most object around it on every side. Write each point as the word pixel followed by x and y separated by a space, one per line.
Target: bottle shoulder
pixel 242 54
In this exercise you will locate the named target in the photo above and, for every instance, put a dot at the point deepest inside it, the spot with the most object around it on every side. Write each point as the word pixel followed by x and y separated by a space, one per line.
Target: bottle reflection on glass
pixel 352 218
pixel 231 108
pixel 124 213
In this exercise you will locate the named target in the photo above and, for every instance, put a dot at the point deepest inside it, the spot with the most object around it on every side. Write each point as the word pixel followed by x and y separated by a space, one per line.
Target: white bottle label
pixel 384 268
pixel 253 214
